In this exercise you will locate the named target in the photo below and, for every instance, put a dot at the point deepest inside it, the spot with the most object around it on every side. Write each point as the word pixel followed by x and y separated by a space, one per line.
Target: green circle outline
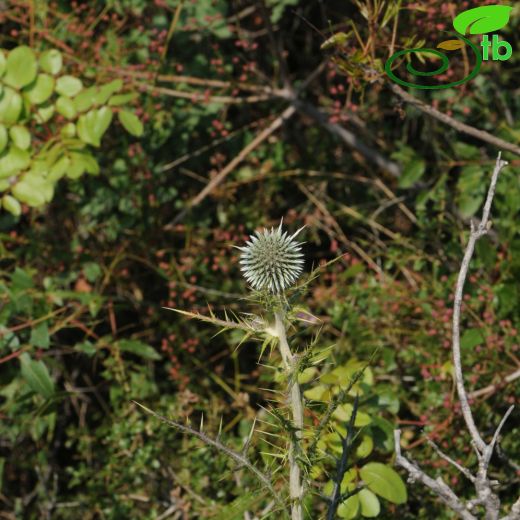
pixel 445 59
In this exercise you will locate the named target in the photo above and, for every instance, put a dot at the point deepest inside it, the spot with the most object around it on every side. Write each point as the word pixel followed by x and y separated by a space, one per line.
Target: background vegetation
pixel 246 119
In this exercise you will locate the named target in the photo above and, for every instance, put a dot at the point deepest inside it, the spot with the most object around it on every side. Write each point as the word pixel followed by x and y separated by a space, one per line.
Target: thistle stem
pixel 296 405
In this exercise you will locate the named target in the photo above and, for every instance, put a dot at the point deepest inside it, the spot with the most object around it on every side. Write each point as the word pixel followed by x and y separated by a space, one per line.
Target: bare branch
pixel 437 486
pixel 476 233
pixel 450 121
pixel 485 495
pixel 462 469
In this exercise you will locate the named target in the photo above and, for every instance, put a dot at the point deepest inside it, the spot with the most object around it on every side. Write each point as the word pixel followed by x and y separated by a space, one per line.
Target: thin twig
pixel 450 121
pixel 462 469
pixel 260 138
pixel 491 389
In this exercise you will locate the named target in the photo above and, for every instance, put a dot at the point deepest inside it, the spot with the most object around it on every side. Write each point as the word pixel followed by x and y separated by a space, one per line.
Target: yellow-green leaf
pixel 44 113
pixel 451 45
pixel 316 393
pixel 12 205
pixel 14 161
pixel 365 447
pixel 26 192
pixel 307 375
pixel 122 99
pixel 20 136
pixel 59 169
pixel 131 122
pixel 51 61
pixel 41 90
pixel 93 124
pixel 344 411
pixel 68 86
pixel 10 106
pixel 68 130
pixel 370 506
pixel 350 508
pixel 384 481
pixel 21 67
pixel 105 91
pixel 84 100
pixel 65 107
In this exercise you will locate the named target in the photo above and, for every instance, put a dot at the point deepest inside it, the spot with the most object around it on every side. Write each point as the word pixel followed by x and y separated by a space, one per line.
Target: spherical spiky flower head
pixel 271 260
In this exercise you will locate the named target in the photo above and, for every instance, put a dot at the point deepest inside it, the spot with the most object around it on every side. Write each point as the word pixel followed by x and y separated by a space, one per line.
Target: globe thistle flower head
pixel 271 260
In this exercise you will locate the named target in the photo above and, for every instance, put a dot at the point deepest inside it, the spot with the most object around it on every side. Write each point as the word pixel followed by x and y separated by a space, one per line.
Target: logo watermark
pixel 480 20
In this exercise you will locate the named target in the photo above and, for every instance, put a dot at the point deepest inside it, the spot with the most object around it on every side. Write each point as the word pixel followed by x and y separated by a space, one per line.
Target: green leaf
pixel 481 20
pixel 68 130
pixel 3 138
pixel 26 192
pixel 44 113
pixel 384 481
pixel 336 40
pixel 65 106
pixel 92 125
pixel 21 67
pixel 40 335
pixel 37 376
pixel 21 280
pixel 130 122
pixel 86 348
pixel 465 151
pixel 382 434
pixel 105 91
pixel 59 169
pixel 316 393
pixel 85 99
pixel 20 136
pixel 68 86
pixel 51 61
pixel 139 349
pixel 307 375
pixel 14 160
pixel 412 172
pixel 470 190
pixel 471 338
pixel 41 90
pixel 350 508
pixel 12 205
pixel 10 106
pixel 122 99
pixel 369 503
pixel 344 411
pixel 365 447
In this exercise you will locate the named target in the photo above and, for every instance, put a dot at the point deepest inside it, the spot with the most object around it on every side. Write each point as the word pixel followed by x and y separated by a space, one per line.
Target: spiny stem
pixel 295 403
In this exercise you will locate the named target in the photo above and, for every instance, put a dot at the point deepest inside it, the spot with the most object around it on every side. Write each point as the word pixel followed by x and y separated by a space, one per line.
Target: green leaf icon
pixel 481 20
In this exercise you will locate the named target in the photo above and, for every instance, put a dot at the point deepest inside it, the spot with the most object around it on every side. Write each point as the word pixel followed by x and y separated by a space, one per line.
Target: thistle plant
pixel 272 260
pixel 272 263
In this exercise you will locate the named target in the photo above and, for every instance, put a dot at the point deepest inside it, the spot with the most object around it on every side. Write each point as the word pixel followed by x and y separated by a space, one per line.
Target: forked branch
pixel 485 495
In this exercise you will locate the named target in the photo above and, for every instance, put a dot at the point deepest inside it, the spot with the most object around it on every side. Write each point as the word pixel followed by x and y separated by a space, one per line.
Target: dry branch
pixel 485 495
